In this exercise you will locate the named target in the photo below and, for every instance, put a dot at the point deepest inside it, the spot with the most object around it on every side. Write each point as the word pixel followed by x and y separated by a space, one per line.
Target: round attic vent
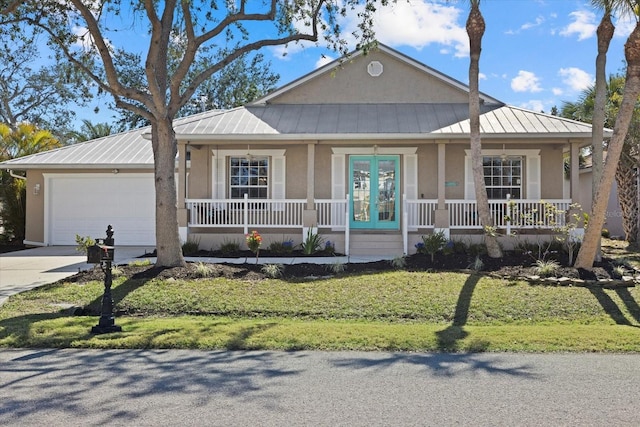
pixel 375 68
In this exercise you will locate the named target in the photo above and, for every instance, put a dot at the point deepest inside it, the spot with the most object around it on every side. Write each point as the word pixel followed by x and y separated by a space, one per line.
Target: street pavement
pixel 220 388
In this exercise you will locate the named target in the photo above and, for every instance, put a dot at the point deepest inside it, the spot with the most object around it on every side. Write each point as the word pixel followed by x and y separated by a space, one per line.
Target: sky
pixel 536 54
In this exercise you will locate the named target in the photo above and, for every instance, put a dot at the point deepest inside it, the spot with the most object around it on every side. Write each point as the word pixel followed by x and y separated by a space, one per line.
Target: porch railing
pixel 334 214
pixel 246 213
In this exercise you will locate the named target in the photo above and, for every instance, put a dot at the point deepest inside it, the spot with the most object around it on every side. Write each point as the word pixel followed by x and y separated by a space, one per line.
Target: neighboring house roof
pixel 264 120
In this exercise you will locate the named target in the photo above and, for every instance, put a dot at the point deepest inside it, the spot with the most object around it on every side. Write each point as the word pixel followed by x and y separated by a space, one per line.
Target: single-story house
pixel 372 152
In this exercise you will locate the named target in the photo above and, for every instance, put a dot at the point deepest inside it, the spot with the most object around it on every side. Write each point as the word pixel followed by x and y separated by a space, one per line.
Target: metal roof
pixel 350 121
pixel 326 121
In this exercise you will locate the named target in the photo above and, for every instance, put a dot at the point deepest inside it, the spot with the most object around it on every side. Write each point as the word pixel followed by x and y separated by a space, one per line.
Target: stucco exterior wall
pixel 399 83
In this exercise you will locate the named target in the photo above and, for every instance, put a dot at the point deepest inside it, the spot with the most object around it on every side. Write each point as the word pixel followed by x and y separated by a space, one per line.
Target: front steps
pixel 378 244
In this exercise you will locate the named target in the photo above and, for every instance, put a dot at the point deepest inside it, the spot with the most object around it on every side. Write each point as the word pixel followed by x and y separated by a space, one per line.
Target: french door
pixel 373 181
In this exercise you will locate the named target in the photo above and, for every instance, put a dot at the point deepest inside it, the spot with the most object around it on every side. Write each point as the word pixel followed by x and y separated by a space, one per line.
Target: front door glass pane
pixel 386 190
pixel 361 187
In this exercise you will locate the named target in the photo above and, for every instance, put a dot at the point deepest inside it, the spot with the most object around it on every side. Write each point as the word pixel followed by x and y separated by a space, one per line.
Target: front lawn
pixel 391 310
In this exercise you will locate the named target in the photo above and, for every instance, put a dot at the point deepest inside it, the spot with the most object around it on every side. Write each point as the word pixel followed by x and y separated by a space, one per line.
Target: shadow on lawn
pixel 449 338
pixel 612 308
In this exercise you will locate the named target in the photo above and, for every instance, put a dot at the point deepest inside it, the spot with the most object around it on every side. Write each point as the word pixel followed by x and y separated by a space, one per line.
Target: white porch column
pixel 441 220
pixel 310 216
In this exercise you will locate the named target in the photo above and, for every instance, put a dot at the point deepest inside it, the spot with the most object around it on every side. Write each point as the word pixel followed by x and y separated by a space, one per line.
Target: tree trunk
pixel 589 247
pixel 165 148
pixel 605 34
pixel 475 30
pixel 627 180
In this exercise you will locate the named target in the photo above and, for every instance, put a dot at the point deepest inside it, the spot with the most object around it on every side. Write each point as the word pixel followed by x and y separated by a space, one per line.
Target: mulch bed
pixel 512 265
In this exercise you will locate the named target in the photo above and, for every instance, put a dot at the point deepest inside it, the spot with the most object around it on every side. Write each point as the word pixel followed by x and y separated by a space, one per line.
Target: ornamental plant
pixel 254 240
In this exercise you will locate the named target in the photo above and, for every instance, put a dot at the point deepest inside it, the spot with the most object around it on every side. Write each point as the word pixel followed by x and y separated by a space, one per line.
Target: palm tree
pixel 588 250
pixel 25 139
pixel 475 30
pixel 626 173
pixel 89 131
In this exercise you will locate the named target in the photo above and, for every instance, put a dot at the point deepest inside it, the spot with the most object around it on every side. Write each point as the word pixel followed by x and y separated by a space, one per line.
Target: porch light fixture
pixel 375 150
pixel 248 155
pixel 36 189
pixel 503 156
pixel 115 171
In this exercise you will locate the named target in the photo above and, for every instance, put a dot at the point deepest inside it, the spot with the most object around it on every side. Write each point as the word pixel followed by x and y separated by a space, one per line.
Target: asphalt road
pixel 219 388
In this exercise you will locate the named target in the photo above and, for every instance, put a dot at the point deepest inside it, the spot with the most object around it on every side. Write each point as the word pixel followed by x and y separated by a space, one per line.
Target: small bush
pixel 284 247
pixel 546 268
pixel 83 243
pixel 312 244
pixel 477 249
pixel 434 242
pixel 337 267
pixel 116 271
pixel 203 270
pixel 273 271
pixel 399 262
pixel 605 233
pixel 190 247
pixel 229 247
pixel 476 265
pixel 618 271
pixel 329 248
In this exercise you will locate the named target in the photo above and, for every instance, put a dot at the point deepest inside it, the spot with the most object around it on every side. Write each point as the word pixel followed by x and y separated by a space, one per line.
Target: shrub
pixel 83 243
pixel 329 248
pixel 312 243
pixel 399 262
pixel 284 247
pixel 546 268
pixel 190 247
pixel 229 247
pixel 476 265
pixel 605 233
pixel 337 267
pixel 203 270
pixel 272 270
pixel 434 242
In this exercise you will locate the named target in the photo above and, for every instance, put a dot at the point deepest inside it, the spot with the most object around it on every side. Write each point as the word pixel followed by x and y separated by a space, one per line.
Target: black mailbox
pixel 99 253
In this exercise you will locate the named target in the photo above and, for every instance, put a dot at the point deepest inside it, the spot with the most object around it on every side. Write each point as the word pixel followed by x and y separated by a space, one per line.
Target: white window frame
pixel 531 176
pixel 250 186
pixel 220 171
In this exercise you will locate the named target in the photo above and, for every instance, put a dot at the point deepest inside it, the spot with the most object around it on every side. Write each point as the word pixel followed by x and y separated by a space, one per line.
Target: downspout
pixel 16 176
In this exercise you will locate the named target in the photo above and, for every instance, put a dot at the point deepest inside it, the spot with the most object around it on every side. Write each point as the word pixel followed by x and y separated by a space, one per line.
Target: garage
pixel 85 204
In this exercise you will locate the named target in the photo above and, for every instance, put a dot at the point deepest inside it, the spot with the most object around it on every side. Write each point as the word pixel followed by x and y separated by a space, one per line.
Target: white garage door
pixel 86 204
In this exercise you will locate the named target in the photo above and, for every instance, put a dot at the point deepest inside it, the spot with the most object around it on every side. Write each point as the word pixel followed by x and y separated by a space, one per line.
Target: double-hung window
pixel 249 175
pixel 502 176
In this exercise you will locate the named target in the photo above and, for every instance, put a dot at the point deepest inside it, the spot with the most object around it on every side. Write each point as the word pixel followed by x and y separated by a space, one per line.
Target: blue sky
pixel 536 53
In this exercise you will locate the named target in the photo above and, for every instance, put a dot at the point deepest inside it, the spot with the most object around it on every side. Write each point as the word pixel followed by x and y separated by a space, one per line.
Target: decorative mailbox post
pixel 102 253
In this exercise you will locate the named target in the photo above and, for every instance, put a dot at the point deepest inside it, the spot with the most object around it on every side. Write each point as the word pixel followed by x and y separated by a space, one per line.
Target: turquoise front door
pixel 373 181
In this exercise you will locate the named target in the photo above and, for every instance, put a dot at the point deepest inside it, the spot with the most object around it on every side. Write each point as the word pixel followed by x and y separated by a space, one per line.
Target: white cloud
pixel 533 105
pixel 86 41
pixel 412 23
pixel 526 81
pixel 324 60
pixel 583 25
pixel 577 79
pixel 557 91
pixel 624 26
pixel 419 23
pixel 528 25
pixel 482 76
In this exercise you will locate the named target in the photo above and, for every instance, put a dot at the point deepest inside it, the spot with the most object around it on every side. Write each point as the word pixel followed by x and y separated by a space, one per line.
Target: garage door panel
pixel 87 205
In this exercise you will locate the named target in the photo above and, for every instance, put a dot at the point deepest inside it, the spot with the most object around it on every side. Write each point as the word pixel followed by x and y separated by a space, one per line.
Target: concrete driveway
pixel 27 269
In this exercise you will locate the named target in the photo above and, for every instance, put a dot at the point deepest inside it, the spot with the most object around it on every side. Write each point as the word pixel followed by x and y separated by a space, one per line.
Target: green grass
pixel 411 311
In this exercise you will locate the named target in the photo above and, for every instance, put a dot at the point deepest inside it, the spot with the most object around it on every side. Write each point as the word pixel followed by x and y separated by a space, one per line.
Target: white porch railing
pixel 334 214
pixel 513 213
pixel 246 213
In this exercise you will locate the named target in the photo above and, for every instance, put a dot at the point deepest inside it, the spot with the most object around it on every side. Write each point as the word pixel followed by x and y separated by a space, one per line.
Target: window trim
pixel 220 166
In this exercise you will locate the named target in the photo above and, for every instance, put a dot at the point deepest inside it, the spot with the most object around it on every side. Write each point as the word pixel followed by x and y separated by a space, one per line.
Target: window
pixel 249 175
pixel 502 176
